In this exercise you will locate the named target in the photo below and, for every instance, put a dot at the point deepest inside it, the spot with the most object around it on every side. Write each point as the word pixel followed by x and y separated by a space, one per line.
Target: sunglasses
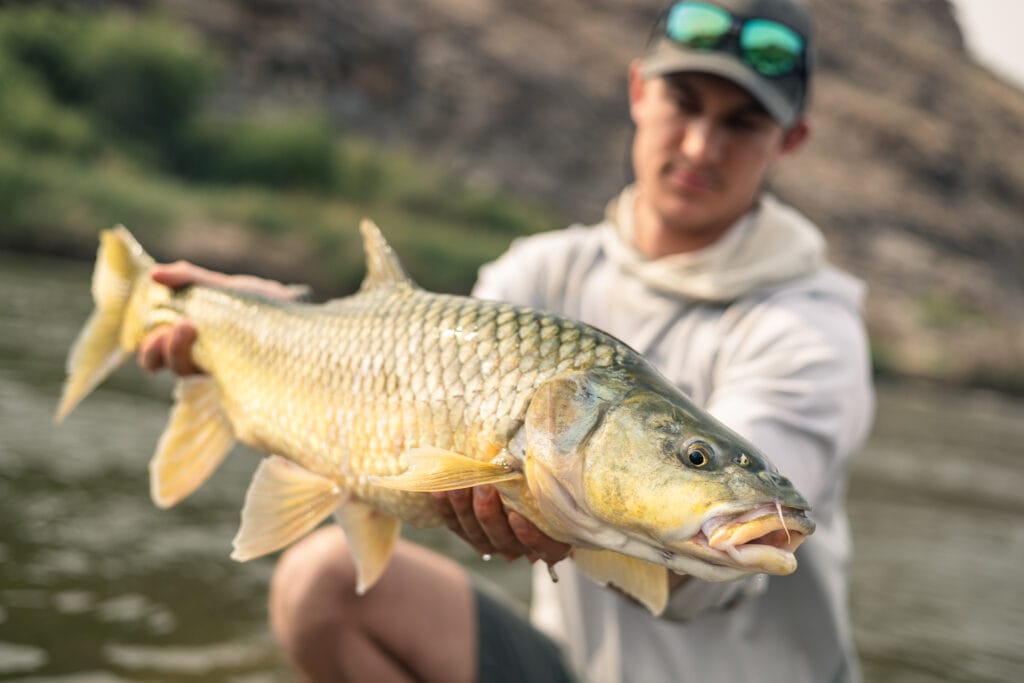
pixel 770 48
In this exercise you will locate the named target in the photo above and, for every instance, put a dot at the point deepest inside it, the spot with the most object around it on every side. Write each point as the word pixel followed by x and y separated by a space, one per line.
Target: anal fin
pixel 644 581
pixel 371 538
pixel 435 469
pixel 284 502
pixel 197 437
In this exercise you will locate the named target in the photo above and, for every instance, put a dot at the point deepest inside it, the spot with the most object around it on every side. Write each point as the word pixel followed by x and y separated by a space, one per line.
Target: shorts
pixel 510 650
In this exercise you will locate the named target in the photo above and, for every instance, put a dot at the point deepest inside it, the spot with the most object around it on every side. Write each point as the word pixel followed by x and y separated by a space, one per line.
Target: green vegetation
pixel 941 310
pixel 106 118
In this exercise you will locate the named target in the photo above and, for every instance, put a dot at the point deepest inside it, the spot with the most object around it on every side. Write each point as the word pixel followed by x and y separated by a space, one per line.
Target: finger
pixel 178 349
pixel 182 273
pixel 462 504
pixel 538 543
pixel 150 355
pixel 493 519
pixel 444 507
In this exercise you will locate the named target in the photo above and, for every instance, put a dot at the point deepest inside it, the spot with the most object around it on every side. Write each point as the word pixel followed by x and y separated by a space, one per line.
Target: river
pixel 99 586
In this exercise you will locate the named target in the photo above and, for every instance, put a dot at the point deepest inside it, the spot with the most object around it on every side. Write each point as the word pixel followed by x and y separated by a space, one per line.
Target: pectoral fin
pixel 284 502
pixel 644 581
pixel 371 538
pixel 197 437
pixel 435 469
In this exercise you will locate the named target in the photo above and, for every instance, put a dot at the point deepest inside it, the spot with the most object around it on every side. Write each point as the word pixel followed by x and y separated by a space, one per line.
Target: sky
pixel 993 29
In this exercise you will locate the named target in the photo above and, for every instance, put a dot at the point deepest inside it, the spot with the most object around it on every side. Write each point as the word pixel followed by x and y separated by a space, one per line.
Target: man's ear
pixel 796 135
pixel 636 88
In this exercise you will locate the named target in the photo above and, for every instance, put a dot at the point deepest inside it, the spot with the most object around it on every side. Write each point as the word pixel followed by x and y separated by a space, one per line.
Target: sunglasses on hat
pixel 770 48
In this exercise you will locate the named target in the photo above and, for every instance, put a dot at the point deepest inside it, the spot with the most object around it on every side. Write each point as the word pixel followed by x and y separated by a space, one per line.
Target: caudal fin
pixel 120 264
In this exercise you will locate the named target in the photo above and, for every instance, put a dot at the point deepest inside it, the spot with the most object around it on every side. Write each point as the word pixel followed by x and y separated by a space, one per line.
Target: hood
pixel 772 245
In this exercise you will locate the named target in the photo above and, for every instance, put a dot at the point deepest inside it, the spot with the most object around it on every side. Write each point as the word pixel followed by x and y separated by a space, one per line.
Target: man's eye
pixel 750 124
pixel 687 105
pixel 743 124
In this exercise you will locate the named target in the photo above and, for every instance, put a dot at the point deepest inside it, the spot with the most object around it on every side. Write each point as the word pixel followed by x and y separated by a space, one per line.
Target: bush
pixel 31 119
pixel 139 79
pixel 46 42
pixel 292 151
pixel 145 79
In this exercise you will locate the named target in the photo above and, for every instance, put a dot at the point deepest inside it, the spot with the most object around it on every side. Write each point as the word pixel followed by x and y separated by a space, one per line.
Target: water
pixel 98 586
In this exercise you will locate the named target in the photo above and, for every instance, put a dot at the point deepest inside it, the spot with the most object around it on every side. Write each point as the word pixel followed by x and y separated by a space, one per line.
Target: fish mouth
pixel 761 540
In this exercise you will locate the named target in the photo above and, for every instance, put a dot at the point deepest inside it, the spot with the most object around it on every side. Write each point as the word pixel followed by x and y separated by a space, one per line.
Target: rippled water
pixel 98 586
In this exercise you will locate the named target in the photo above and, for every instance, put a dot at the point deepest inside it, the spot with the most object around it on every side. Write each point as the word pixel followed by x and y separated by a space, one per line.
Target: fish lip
pixel 762 537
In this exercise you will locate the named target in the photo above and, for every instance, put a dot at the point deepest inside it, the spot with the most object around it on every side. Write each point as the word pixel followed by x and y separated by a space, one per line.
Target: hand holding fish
pixel 170 346
pixel 479 517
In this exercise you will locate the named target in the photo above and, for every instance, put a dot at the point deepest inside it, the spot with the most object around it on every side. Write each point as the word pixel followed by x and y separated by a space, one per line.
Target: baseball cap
pixel 763 46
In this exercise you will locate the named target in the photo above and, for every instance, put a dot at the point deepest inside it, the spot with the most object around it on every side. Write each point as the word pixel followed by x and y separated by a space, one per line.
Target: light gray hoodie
pixel 764 334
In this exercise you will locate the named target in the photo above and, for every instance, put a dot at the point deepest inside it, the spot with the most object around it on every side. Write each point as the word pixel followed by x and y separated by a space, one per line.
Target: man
pixel 723 288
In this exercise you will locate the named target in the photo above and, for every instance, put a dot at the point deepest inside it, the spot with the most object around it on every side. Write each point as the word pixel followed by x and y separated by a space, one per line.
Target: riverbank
pixel 56 206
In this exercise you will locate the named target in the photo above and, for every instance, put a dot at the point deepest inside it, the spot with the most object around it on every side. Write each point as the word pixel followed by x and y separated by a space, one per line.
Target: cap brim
pixel 667 59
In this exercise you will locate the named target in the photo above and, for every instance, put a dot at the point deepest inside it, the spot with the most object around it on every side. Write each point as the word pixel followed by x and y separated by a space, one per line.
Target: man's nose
pixel 702 141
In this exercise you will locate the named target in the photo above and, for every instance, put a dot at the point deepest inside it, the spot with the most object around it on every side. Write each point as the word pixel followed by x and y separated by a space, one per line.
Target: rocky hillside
pixel 915 169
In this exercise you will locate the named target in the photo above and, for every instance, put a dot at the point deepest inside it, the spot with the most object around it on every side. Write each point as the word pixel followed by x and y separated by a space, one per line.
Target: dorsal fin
pixel 382 265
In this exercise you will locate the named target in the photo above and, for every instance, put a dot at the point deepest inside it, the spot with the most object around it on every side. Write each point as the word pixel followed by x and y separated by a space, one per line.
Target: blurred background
pixel 251 135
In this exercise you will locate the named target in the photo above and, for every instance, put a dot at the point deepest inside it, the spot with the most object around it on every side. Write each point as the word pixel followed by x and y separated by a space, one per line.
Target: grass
pixel 55 204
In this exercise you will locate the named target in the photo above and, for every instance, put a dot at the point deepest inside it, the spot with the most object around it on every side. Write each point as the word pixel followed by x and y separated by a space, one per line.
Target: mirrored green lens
pixel 770 47
pixel 697 25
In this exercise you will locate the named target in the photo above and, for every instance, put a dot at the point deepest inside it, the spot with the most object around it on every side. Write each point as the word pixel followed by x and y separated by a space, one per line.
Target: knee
pixel 312 590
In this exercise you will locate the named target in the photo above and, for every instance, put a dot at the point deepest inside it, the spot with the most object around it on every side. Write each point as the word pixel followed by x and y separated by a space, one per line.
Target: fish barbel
pixel 367 403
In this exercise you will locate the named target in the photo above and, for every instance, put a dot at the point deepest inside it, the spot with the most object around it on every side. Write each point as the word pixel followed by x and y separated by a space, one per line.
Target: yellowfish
pixel 365 404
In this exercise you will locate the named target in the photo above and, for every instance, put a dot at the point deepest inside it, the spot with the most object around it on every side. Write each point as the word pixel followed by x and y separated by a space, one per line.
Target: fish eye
pixel 698 454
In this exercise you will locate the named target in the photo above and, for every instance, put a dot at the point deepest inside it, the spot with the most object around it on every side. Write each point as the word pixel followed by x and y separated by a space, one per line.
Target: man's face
pixel 702 148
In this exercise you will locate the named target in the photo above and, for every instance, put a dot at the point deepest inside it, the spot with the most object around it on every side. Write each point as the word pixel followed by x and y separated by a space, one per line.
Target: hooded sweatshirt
pixel 764 334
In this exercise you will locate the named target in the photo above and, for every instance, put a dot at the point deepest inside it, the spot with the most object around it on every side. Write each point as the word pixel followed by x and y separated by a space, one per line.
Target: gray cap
pixel 782 97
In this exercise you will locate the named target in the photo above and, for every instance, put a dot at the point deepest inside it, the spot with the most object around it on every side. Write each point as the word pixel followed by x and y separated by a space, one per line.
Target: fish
pixel 364 405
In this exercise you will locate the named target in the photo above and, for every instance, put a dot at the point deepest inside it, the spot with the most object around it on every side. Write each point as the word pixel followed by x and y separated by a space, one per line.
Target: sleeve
pixel 535 270
pixel 515 276
pixel 795 380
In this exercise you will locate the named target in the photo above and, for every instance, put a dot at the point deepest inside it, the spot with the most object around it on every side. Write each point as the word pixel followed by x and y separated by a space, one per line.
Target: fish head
pixel 624 461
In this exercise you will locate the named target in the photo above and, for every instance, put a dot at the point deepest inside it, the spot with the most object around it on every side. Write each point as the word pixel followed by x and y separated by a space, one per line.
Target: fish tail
pixel 113 331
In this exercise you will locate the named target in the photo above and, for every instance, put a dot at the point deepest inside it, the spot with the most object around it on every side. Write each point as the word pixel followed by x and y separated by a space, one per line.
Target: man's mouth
pixel 692 179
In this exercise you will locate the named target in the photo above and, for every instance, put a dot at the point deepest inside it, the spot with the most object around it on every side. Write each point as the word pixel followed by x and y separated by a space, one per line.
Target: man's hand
pixel 478 516
pixel 170 346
